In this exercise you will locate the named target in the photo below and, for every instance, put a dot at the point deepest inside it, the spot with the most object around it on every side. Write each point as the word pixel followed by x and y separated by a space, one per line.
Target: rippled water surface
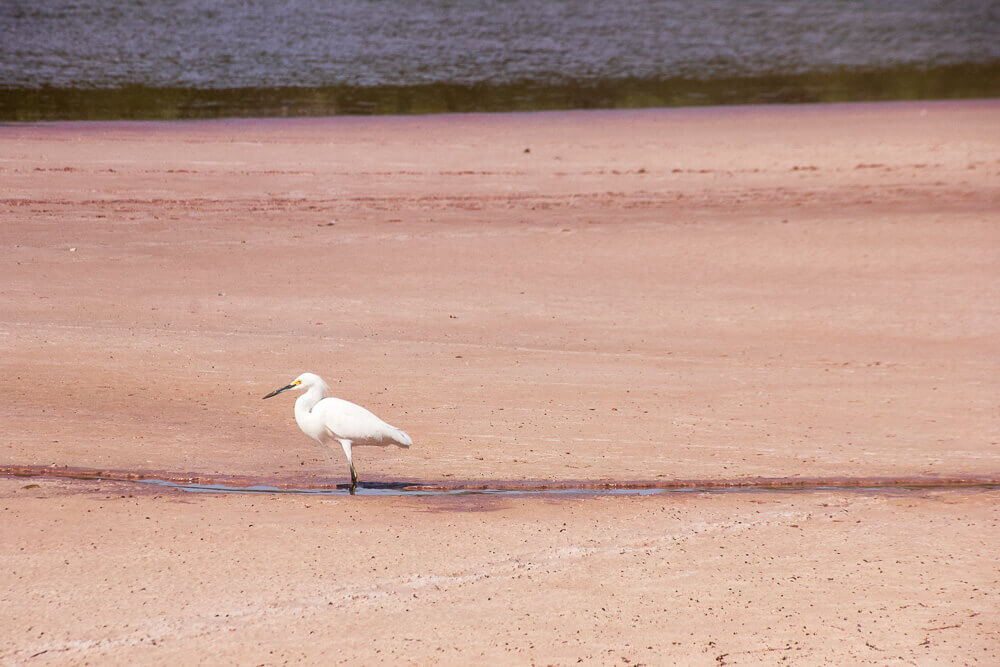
pixel 229 43
pixel 374 56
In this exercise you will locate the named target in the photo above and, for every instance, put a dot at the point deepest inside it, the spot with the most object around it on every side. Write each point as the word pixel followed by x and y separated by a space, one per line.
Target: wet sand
pixel 682 294
pixel 112 575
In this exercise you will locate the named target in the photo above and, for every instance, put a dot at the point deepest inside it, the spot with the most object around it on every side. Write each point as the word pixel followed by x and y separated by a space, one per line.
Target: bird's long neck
pixel 310 422
pixel 307 401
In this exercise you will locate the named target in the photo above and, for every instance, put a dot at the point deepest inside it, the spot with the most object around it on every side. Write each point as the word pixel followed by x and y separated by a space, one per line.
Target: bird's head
pixel 304 381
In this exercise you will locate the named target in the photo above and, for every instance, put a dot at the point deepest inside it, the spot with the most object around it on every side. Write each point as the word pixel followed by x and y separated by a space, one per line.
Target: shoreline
pixel 867 106
pixel 139 102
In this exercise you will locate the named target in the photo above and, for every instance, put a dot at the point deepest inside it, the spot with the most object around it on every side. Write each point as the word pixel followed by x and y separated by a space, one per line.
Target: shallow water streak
pixel 301 485
pixel 406 489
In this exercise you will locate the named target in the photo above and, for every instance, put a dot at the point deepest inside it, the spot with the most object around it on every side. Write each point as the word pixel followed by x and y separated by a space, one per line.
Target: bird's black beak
pixel 278 391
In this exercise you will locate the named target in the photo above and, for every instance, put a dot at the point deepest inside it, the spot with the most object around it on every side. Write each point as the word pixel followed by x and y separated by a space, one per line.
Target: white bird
pixel 325 418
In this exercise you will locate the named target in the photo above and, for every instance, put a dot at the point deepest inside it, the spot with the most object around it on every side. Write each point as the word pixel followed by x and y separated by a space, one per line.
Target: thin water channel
pixel 231 484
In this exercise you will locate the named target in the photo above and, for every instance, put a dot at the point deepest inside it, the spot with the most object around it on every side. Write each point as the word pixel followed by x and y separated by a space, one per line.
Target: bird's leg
pixel 346 444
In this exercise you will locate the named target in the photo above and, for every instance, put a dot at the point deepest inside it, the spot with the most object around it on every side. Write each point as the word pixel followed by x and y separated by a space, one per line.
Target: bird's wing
pixel 350 421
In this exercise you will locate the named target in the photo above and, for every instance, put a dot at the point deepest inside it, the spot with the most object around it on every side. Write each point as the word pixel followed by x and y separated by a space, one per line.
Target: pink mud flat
pixel 714 294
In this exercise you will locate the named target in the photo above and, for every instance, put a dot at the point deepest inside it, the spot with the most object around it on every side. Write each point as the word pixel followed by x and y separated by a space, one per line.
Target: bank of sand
pixel 711 293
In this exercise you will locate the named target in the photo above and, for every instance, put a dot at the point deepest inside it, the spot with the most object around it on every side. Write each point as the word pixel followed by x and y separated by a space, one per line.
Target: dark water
pixel 181 58
pixel 403 489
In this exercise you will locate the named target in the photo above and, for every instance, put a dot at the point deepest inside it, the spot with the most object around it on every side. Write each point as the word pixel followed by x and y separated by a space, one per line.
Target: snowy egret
pixel 324 418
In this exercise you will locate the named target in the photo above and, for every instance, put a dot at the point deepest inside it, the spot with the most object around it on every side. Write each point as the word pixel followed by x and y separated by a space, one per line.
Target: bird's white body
pixel 325 418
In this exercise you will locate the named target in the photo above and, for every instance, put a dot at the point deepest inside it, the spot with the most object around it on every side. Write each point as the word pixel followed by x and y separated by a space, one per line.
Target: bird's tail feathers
pixel 402 438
